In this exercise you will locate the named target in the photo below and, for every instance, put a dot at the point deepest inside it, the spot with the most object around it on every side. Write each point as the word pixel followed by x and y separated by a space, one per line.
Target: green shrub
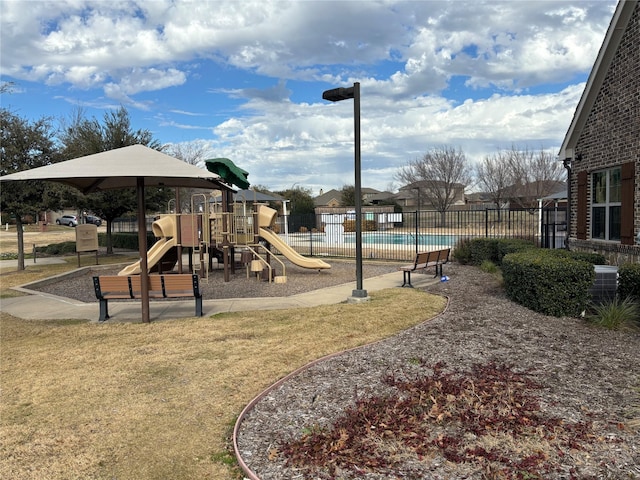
pixel 64 248
pixel 478 250
pixel 489 267
pixel 126 240
pixel 592 258
pixel 548 283
pixel 462 251
pixel 616 314
pixel 629 280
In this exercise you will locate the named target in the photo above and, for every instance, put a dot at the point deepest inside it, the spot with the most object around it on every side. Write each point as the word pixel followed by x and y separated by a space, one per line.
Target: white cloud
pixel 313 144
pixel 519 43
pixel 404 53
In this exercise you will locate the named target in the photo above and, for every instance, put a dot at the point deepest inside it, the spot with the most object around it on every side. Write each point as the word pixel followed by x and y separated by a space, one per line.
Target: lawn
pixel 149 401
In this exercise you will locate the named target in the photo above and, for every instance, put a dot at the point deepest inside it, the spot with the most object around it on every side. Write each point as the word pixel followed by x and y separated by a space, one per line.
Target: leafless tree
pixel 533 174
pixel 193 153
pixel 493 178
pixel 437 177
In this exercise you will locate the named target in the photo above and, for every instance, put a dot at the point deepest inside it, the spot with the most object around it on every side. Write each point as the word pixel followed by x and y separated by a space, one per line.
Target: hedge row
pixel 126 241
pixel 552 282
pixel 548 283
pixel 478 250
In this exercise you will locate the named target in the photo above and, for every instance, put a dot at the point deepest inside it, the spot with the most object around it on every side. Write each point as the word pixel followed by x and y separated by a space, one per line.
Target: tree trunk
pixel 109 243
pixel 20 233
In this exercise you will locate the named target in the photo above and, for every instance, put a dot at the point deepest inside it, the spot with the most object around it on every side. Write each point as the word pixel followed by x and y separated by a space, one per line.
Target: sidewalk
pixel 29 261
pixel 39 305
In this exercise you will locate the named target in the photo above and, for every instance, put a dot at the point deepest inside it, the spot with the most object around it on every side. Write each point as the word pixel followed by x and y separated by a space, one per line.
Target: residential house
pixel 329 199
pixel 601 149
pixel 333 198
pixel 410 196
pixel 529 194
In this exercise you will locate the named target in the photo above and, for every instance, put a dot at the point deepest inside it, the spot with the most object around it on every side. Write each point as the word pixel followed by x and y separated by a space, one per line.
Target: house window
pixel 606 204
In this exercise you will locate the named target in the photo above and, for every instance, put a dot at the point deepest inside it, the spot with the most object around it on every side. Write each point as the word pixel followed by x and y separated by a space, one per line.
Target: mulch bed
pixel 578 385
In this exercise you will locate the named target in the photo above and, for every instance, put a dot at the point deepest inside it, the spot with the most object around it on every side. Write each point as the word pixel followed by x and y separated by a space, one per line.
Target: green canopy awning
pixel 229 171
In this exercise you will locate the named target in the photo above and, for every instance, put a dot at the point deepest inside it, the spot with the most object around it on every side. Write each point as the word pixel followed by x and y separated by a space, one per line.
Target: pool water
pixel 402 239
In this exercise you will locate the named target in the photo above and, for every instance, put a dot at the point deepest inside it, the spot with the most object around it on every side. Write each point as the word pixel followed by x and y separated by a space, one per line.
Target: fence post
pixel 311 242
pixel 416 232
pixel 486 223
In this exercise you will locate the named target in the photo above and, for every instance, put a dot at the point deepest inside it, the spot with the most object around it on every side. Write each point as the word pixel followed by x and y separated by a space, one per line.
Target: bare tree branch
pixel 440 176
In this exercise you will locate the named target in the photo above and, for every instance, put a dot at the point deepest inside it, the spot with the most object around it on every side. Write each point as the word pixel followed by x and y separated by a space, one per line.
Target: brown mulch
pixel 586 376
pixel 299 280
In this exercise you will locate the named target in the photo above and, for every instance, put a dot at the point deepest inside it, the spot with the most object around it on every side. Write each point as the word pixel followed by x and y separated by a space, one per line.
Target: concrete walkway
pixel 29 261
pixel 39 305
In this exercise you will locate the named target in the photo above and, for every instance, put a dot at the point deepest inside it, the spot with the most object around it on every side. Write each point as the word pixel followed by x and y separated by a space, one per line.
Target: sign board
pixel 86 238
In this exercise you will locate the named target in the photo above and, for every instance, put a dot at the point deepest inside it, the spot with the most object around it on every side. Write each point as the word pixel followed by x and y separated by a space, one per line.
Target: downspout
pixel 567 164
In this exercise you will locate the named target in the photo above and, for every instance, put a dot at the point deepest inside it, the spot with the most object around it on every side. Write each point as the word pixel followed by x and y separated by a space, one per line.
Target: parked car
pixel 93 220
pixel 69 220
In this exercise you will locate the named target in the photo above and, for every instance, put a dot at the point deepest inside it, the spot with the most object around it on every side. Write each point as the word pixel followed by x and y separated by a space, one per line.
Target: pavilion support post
pixel 179 230
pixel 142 247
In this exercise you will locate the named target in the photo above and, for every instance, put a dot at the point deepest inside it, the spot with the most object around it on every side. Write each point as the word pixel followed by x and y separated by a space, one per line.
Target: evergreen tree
pixel 26 145
pixel 83 136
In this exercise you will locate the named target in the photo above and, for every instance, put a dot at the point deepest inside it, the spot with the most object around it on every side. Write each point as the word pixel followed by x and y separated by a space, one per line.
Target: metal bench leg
pixel 406 279
pixel 104 310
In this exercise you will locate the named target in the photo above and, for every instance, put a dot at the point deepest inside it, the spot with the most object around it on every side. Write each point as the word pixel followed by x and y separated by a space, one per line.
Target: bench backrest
pixel 159 285
pixel 439 256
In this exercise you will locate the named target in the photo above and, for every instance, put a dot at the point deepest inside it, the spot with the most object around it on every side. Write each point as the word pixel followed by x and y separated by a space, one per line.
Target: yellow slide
pixel 290 253
pixel 165 230
pixel 154 255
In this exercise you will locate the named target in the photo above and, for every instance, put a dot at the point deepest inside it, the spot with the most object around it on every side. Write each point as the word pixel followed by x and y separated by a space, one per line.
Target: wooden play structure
pixel 234 233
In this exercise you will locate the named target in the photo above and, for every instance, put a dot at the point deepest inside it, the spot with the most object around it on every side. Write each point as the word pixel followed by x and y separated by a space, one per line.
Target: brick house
pixel 601 149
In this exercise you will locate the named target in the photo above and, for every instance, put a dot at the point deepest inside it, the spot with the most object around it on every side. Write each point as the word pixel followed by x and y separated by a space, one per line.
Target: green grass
pixel 616 314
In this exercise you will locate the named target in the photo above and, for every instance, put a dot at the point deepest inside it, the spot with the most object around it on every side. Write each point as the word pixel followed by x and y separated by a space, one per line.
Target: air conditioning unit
pixel 605 285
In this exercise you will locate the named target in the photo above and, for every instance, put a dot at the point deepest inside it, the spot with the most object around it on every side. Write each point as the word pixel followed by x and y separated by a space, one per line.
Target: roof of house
pixel 253 196
pixel 617 27
pixel 428 184
pixel 381 196
pixel 336 195
pixel 326 197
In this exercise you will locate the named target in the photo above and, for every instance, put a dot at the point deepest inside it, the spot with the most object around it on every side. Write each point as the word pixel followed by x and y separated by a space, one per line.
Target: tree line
pixel 505 175
pixel 516 175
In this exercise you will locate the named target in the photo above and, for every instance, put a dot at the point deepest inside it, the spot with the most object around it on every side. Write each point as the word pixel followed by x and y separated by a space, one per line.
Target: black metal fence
pixel 399 236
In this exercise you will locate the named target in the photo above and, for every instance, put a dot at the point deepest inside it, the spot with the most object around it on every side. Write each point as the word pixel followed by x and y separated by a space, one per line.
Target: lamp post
pixel 417 189
pixel 336 95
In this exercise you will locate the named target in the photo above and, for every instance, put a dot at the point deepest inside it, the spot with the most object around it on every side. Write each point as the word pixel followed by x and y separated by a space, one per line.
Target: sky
pixel 244 79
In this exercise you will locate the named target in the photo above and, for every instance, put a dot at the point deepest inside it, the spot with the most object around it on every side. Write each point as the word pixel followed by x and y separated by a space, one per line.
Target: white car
pixel 69 220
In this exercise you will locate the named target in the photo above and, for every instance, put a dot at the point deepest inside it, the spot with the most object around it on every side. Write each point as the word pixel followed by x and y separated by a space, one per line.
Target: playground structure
pixel 221 230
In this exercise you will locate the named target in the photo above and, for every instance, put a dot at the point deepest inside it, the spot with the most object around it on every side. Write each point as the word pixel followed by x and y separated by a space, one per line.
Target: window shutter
pixel 626 207
pixel 581 231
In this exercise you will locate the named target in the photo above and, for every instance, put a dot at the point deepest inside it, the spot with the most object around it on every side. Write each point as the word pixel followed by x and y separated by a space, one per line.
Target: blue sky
pixel 244 79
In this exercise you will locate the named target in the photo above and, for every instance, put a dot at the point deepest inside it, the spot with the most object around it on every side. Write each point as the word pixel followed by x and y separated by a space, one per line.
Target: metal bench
pixel 114 287
pixel 424 260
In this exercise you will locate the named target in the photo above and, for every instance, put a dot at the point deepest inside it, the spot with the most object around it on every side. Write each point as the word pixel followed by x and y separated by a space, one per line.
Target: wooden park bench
pixel 114 287
pixel 424 260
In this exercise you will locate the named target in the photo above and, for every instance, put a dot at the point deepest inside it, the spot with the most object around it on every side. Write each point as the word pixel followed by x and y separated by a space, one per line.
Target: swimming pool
pixel 402 239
